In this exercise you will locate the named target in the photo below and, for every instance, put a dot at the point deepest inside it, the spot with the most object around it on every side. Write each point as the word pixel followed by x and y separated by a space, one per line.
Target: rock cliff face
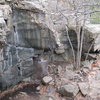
pixel 22 30
pixel 29 28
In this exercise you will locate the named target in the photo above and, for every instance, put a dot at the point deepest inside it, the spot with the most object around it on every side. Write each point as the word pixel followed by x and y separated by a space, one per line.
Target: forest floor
pixel 62 83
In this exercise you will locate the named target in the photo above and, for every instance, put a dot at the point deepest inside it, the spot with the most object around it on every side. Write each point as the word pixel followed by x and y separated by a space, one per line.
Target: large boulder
pixel 69 90
pixel 29 27
pixel 93 35
pixel 84 88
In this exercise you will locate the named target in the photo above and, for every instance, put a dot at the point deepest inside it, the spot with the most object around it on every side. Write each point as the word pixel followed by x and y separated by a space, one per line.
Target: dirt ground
pixel 29 91
pixel 22 91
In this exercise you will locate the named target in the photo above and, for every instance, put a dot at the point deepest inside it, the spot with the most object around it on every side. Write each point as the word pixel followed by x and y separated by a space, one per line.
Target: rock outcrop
pixel 29 28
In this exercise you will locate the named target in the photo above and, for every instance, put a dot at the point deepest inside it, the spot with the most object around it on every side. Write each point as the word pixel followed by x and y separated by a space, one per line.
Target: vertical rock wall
pixel 15 61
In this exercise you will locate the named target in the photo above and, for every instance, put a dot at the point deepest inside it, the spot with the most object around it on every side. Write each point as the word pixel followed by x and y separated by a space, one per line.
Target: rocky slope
pixel 61 83
pixel 29 28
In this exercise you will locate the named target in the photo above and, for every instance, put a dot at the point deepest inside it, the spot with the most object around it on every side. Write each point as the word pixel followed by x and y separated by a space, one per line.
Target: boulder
pixel 84 88
pixel 47 79
pixel 60 50
pixel 69 90
pixel 93 32
pixel 31 17
pixel 2 1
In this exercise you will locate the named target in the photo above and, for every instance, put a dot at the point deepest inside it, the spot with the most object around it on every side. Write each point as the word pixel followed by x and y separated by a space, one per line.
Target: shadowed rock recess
pixel 29 28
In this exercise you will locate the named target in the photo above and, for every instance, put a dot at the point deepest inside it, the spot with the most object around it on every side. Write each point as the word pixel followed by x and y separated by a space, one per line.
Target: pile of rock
pixel 85 82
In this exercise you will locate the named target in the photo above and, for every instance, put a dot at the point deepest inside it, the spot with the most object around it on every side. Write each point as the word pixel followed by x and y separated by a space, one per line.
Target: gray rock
pixel 25 53
pixel 2 23
pixel 69 75
pixel 60 50
pixel 47 79
pixel 27 68
pixel 27 79
pixel 15 66
pixel 2 1
pixel 6 9
pixel 30 26
pixel 93 31
pixel 38 37
pixel 94 89
pixel 84 88
pixel 69 90
pixel 9 78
